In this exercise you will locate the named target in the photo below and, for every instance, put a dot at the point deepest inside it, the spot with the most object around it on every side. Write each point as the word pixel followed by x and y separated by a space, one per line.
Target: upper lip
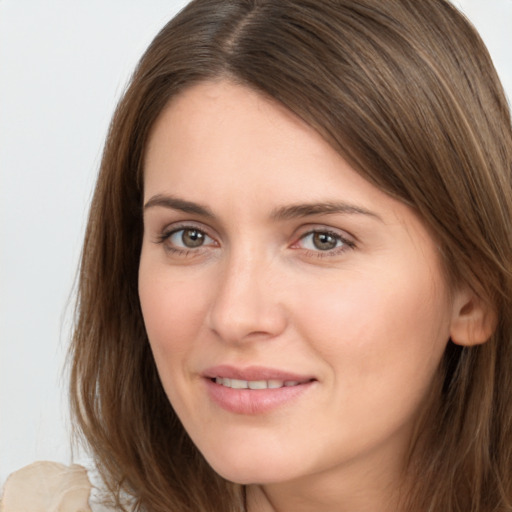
pixel 253 373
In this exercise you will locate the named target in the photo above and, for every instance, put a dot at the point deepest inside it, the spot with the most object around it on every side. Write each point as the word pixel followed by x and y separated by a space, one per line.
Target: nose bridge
pixel 246 302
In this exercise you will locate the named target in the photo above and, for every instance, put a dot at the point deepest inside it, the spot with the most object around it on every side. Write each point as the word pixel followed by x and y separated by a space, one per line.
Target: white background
pixel 63 65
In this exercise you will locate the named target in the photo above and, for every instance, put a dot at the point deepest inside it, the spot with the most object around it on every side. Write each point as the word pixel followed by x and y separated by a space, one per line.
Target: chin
pixel 250 475
pixel 244 470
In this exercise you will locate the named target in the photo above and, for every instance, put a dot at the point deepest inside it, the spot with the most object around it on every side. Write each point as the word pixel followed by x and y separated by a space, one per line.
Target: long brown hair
pixel 406 91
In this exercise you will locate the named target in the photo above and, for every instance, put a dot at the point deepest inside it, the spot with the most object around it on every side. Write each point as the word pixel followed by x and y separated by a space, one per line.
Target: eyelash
pixel 346 244
pixel 167 234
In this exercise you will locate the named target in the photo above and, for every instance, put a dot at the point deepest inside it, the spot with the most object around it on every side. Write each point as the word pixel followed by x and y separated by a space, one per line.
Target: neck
pixel 344 489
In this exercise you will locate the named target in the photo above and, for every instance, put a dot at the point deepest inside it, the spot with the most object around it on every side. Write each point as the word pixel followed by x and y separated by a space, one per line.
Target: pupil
pixel 192 238
pixel 324 241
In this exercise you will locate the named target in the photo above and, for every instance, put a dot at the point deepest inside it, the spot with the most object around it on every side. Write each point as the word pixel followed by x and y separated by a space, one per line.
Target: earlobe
pixel 473 321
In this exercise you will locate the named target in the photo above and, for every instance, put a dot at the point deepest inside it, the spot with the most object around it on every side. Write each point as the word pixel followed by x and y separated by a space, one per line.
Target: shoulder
pixel 47 487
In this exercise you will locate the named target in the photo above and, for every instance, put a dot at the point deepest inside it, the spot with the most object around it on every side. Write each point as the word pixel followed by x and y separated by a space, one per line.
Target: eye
pixel 188 238
pixel 324 241
pixel 321 241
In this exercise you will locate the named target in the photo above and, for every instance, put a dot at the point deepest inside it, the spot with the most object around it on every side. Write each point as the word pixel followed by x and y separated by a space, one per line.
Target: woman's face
pixel 296 313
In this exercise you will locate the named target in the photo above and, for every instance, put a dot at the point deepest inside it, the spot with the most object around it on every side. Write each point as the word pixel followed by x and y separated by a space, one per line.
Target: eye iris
pixel 324 241
pixel 192 238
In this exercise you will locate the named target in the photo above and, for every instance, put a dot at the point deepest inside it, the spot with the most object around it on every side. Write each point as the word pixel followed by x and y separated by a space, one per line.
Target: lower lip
pixel 254 401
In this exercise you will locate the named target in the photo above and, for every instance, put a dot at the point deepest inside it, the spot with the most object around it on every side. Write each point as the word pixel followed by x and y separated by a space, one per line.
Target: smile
pixel 255 390
pixel 255 384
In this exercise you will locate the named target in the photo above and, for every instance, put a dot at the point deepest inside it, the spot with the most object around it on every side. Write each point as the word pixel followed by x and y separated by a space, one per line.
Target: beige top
pixel 47 487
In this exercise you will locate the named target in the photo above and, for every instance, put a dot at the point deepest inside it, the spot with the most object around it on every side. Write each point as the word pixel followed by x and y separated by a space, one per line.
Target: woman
pixel 296 284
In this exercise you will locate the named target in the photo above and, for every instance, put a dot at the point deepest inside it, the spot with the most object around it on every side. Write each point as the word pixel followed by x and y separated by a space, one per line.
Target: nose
pixel 246 305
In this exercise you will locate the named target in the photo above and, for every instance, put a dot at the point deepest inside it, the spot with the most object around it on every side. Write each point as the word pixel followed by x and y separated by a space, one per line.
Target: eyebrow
pixel 176 203
pixel 323 208
pixel 282 213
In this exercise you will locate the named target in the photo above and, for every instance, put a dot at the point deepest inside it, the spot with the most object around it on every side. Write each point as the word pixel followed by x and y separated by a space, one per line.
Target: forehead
pixel 222 117
pixel 215 133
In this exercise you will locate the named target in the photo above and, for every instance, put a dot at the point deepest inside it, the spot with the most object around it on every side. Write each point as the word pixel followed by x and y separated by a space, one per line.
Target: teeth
pixel 255 384
pixel 258 384
pixel 238 384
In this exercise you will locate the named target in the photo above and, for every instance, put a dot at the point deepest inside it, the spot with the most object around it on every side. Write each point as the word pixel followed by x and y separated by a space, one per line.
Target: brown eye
pixel 188 238
pixel 324 241
pixel 192 238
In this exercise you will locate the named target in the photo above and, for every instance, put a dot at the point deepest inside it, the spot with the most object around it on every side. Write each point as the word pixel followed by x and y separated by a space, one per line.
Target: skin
pixel 369 319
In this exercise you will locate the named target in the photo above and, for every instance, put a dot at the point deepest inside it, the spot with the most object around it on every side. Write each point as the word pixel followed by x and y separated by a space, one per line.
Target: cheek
pixel 382 342
pixel 173 311
pixel 378 328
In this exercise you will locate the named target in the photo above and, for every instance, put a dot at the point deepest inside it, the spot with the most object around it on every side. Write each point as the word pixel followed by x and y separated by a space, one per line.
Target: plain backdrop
pixel 63 66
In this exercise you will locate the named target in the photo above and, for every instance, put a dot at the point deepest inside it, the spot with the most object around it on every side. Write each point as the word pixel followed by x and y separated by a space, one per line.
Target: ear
pixel 473 320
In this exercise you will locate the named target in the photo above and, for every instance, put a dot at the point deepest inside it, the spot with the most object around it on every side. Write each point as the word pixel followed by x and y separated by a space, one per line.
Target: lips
pixel 255 384
pixel 254 390
pixel 254 373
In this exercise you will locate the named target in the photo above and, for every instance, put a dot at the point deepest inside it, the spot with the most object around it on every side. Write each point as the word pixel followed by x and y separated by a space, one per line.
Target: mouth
pixel 257 384
pixel 254 390
pixel 254 377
